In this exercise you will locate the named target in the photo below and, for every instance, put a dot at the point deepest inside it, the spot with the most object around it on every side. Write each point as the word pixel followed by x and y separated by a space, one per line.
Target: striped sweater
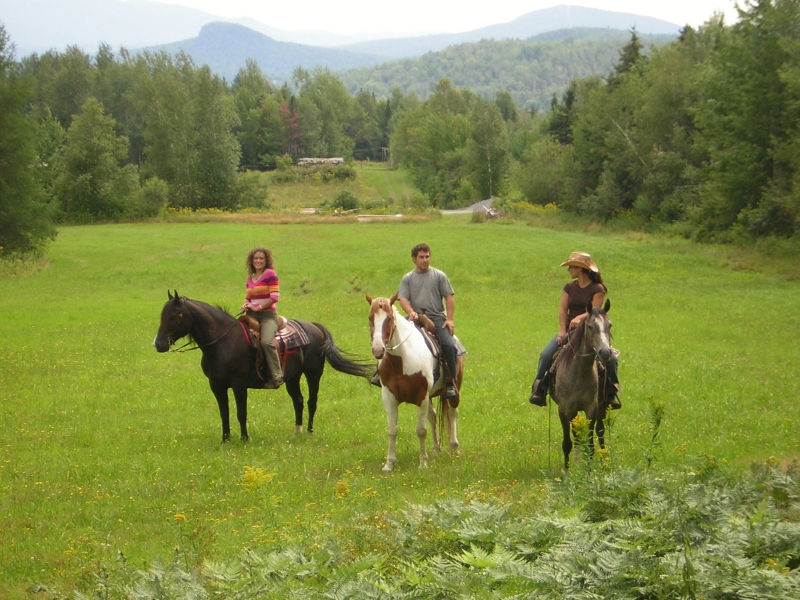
pixel 267 286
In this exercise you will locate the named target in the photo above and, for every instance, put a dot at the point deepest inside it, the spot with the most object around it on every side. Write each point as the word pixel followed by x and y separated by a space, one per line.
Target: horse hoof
pixel 454 446
pixel 387 468
pixel 423 464
pixel 298 430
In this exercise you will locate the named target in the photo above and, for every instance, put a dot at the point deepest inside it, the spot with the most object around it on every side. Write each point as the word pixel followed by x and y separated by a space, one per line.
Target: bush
pixel 346 200
pixel 149 200
pixel 250 189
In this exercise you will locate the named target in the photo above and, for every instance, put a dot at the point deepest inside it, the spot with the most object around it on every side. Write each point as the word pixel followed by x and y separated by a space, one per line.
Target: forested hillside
pixel 698 136
pixel 531 71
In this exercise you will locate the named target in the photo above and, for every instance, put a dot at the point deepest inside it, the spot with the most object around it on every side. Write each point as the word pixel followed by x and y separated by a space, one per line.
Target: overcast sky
pixel 437 16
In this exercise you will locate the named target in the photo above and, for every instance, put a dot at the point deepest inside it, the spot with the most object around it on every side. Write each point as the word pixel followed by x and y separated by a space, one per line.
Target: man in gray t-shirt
pixel 428 291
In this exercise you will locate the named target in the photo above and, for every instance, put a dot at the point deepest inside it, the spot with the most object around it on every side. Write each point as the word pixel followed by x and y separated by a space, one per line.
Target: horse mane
pixel 574 343
pixel 209 309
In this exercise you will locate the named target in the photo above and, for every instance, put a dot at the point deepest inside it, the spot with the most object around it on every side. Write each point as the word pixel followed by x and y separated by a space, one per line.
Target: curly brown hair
pixel 248 263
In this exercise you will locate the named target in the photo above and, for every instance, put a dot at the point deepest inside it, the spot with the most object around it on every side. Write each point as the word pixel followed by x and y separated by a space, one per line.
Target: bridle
pixel 391 318
pixel 192 341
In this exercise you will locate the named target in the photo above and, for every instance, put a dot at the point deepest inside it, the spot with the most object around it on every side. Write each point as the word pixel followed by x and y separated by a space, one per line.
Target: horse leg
pixel 312 379
pixel 600 427
pixel 221 394
pixel 390 406
pixel 424 411
pixel 452 423
pixel 437 447
pixel 240 393
pixel 296 394
pixel 566 444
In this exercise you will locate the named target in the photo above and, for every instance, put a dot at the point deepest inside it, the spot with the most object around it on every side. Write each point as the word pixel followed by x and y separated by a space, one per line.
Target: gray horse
pixel 576 376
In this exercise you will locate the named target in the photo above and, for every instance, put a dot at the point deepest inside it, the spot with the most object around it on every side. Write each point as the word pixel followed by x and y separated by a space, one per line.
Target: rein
pixel 394 329
pixel 396 346
pixel 206 345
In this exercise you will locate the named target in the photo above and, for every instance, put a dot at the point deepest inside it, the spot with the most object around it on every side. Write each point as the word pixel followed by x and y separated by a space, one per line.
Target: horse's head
pixel 175 323
pixel 382 323
pixel 598 330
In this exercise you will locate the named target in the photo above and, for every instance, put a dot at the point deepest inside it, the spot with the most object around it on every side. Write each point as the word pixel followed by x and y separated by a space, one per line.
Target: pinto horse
pixel 407 369
pixel 576 378
pixel 229 360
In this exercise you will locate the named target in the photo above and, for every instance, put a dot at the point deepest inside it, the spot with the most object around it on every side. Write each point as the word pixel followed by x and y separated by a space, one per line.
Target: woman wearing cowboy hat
pixel 586 286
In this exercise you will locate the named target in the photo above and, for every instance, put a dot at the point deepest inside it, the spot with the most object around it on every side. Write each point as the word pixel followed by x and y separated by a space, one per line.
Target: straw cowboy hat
pixel 582 260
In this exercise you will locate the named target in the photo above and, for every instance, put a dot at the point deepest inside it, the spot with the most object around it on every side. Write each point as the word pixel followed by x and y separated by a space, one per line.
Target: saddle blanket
pixel 292 335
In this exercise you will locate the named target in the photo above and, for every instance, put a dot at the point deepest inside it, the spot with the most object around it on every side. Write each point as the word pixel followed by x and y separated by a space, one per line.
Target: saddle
pixel 428 330
pixel 289 338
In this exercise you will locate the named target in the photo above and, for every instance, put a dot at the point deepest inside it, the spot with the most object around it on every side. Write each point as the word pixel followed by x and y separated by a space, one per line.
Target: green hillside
pixel 531 70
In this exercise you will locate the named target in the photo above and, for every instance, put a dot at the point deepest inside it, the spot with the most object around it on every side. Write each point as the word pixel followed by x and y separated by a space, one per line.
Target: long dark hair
pixel 594 277
pixel 249 260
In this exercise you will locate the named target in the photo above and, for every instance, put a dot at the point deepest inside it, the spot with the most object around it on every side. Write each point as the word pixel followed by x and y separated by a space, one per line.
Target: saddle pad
pixel 460 350
pixel 292 335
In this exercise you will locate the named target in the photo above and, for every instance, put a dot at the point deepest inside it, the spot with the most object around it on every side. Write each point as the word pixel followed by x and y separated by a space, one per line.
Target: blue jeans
pixel 448 345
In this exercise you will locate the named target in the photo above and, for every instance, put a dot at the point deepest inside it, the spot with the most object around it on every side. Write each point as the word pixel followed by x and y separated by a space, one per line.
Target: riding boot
pixel 539 390
pixel 273 384
pixel 612 400
pixel 450 391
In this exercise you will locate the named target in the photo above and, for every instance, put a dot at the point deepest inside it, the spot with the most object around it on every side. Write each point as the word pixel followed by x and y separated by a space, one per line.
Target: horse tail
pixel 339 360
pixel 443 417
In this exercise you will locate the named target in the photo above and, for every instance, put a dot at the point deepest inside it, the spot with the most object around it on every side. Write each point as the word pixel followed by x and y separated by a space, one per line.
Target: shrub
pixel 250 189
pixel 149 200
pixel 346 200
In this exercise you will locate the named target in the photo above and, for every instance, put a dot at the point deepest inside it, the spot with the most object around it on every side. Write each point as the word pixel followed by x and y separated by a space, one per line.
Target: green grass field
pixel 111 447
pixel 374 182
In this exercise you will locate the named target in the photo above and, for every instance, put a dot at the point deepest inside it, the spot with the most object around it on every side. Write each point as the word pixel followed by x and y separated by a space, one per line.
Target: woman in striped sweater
pixel 263 293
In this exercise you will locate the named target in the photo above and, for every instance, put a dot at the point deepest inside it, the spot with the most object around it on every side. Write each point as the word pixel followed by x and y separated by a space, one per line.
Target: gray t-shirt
pixel 426 291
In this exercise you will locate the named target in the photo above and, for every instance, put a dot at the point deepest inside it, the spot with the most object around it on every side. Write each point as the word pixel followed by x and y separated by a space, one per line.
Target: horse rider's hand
pixel 412 316
pixel 449 325
pixel 560 338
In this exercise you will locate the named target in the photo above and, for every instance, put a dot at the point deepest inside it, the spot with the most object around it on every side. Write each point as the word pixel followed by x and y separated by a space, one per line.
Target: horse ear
pixel 176 293
pixel 368 297
pixel 393 299
pixel 169 294
pixel 607 306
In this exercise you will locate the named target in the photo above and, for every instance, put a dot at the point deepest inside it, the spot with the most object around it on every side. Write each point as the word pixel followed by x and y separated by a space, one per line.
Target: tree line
pixel 699 135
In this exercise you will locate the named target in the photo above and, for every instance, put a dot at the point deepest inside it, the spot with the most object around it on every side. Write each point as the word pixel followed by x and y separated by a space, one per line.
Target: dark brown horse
pixel 229 361
pixel 576 381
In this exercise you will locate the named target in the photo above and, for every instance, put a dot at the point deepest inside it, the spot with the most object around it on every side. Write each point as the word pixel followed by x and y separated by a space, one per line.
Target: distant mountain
pixel 532 71
pixel 41 25
pixel 226 46
pixel 524 27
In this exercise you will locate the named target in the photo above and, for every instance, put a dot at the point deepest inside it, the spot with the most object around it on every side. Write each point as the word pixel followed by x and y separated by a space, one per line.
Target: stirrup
pixel 376 380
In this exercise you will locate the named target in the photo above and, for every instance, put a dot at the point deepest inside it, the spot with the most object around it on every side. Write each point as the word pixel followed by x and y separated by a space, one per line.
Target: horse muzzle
pixel 378 351
pixel 605 354
pixel 161 345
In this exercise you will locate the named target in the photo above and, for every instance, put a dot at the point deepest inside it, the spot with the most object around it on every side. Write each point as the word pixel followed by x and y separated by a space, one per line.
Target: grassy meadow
pixel 373 182
pixel 112 449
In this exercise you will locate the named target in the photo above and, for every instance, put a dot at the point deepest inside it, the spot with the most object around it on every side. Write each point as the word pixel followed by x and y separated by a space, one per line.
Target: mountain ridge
pixel 41 25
